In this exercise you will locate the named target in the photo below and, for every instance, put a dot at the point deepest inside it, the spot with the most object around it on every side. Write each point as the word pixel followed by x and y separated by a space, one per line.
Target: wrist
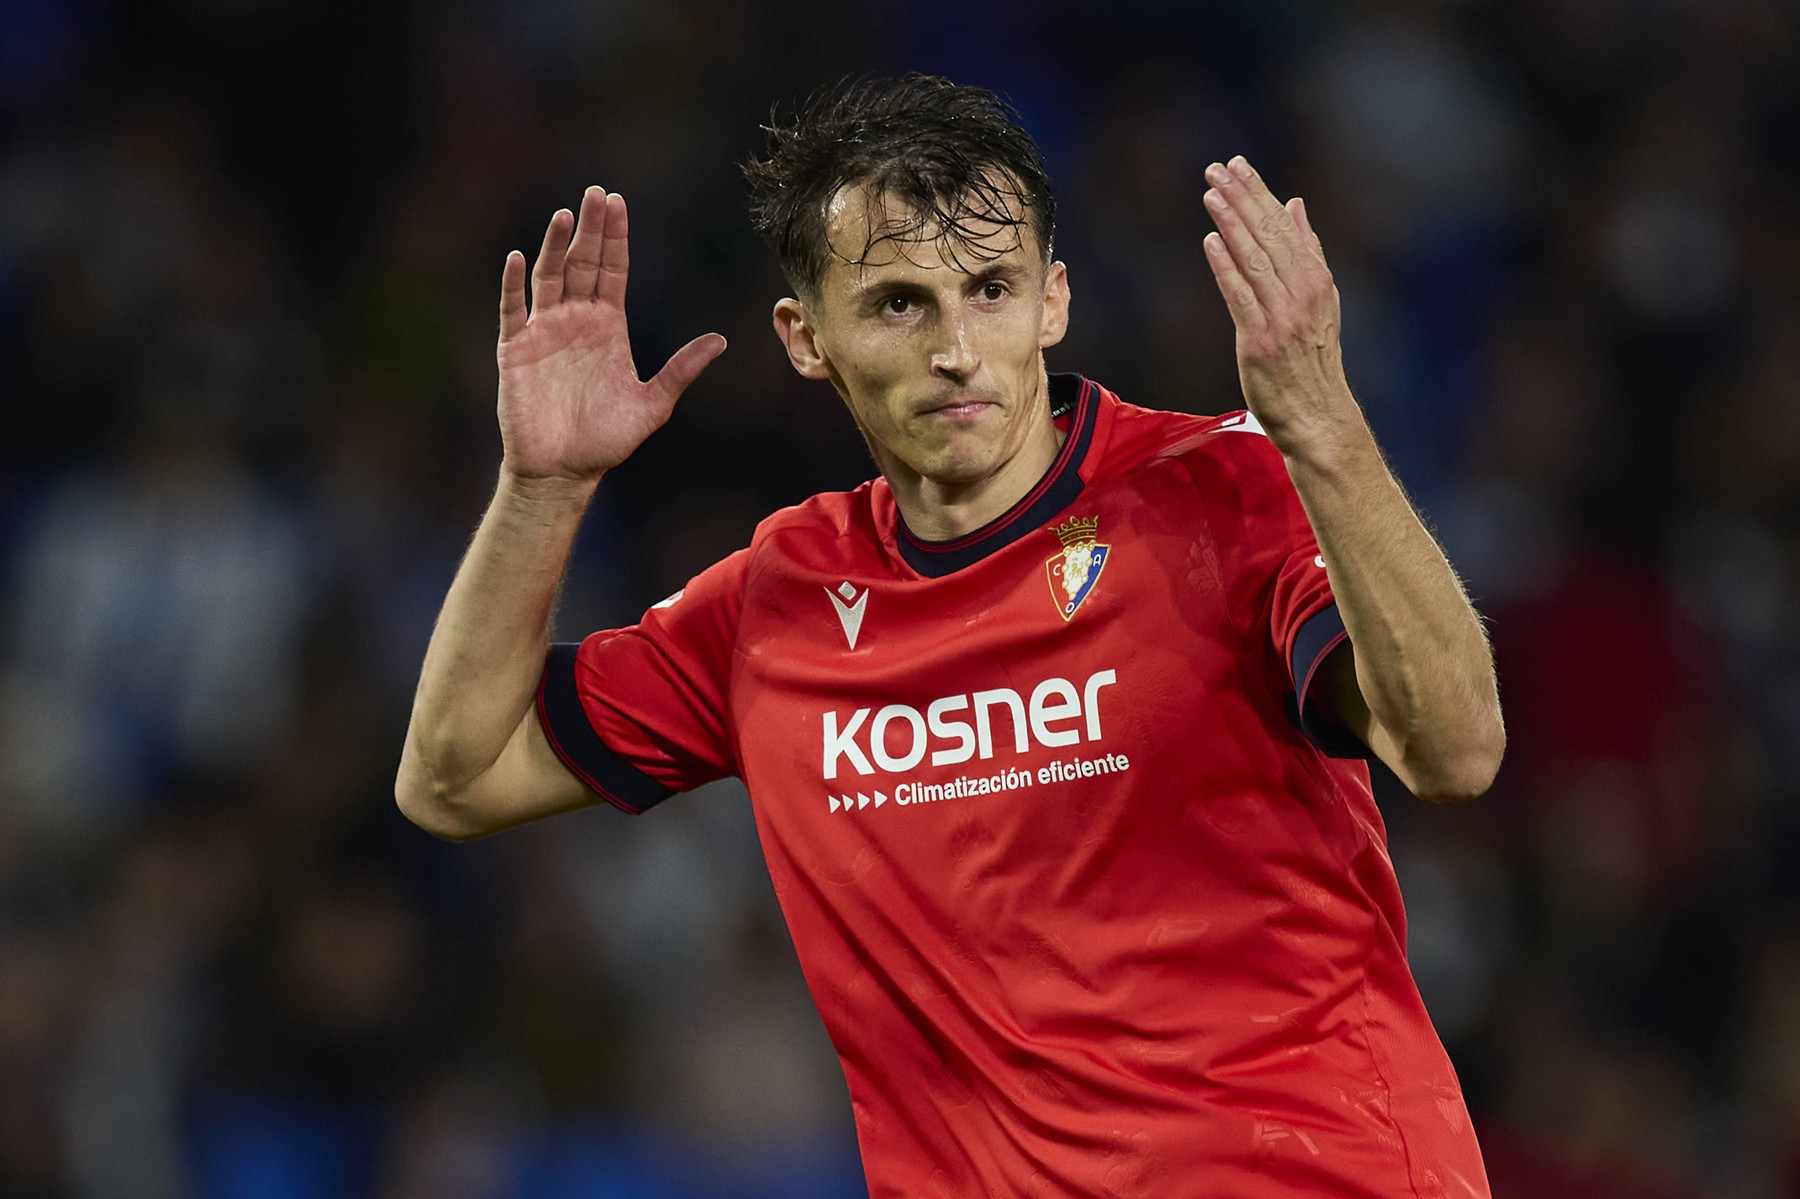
pixel 549 493
pixel 1327 437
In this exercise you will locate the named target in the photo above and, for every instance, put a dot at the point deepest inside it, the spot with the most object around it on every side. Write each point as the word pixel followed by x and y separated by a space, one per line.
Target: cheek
pixel 1021 315
pixel 1017 334
pixel 871 373
pixel 875 354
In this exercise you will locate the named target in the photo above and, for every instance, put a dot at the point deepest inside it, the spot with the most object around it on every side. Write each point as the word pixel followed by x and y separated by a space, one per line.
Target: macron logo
pixel 850 608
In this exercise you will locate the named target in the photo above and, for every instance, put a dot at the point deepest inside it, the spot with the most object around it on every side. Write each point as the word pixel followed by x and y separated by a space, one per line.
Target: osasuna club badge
pixel 1074 572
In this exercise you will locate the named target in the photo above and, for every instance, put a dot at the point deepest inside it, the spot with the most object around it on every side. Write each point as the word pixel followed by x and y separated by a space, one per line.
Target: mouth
pixel 958 407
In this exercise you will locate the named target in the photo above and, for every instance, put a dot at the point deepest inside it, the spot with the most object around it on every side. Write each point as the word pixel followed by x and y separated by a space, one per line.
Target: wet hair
pixel 956 157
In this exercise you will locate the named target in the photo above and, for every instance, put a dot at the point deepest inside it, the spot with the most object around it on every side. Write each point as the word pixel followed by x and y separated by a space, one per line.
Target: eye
pixel 896 305
pixel 993 291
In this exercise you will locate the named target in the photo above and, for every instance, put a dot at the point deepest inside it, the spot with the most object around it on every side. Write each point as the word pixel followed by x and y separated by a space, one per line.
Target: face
pixel 935 349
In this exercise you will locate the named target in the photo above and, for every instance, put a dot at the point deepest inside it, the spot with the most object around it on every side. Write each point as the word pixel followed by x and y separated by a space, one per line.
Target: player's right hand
pixel 571 403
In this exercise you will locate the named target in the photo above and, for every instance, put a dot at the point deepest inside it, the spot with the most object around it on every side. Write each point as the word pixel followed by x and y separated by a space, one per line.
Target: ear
pixel 1056 306
pixel 795 329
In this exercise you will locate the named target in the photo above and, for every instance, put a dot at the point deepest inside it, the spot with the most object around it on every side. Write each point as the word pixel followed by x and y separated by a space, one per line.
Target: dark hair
pixel 954 155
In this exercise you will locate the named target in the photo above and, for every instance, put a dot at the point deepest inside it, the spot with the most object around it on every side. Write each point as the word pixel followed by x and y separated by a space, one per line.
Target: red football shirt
pixel 1085 905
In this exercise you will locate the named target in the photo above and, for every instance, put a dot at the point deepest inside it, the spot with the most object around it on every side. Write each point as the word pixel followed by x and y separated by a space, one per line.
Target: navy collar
pixel 1054 492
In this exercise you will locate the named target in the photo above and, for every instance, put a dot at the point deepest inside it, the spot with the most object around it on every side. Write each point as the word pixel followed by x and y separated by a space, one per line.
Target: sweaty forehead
pixel 868 228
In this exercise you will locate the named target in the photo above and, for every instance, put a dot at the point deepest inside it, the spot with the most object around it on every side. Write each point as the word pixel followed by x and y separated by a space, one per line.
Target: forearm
pixel 1423 694
pixel 1423 665
pixel 481 669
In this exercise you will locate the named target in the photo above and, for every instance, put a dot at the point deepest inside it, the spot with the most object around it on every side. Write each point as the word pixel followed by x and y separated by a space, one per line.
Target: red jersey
pixel 1087 907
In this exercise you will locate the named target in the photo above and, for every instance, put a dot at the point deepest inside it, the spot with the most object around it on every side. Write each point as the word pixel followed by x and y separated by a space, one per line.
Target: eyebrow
pixel 998 270
pixel 987 274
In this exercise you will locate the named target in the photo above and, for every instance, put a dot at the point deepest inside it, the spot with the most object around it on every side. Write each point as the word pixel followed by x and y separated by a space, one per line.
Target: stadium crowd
pixel 249 259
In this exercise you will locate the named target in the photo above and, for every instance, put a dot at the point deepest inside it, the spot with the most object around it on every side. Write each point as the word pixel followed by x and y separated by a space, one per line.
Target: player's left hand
pixel 1271 269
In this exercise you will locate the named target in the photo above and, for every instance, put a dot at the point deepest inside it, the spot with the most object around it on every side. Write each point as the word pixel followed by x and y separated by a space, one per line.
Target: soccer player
pixel 1053 731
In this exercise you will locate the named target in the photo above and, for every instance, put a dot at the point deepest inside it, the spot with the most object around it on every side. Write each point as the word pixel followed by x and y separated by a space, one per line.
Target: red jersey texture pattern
pixel 1088 902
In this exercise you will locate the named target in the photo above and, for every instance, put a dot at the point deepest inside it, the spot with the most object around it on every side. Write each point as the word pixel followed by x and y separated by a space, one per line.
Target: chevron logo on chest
pixel 850 607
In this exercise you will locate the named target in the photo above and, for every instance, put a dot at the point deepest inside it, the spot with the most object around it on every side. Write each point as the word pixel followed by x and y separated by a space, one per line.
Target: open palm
pixel 571 403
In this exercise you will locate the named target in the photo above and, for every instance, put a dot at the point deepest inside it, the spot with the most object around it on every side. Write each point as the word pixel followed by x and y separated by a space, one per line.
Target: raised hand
pixel 1271 270
pixel 571 403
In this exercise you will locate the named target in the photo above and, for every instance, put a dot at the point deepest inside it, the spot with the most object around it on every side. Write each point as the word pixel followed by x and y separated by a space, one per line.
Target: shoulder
pixel 1230 449
pixel 1236 478
pixel 829 513
pixel 828 525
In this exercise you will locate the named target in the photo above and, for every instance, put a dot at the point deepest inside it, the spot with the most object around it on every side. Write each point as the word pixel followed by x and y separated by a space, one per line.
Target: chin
pixel 958 469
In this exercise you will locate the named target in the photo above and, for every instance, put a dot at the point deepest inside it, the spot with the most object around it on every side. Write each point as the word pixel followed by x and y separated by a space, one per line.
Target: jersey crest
pixel 1074 572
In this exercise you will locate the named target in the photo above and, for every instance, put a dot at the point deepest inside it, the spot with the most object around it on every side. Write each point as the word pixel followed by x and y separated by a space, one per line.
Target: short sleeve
pixel 640 713
pixel 1277 588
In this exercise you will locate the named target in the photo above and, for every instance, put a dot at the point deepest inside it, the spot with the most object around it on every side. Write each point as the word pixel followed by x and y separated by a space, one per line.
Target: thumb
pixel 685 365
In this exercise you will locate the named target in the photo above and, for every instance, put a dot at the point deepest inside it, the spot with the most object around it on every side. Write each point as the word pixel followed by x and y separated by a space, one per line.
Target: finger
pixel 680 371
pixel 1240 297
pixel 584 252
pixel 615 252
pixel 1267 215
pixel 513 314
pixel 1252 260
pixel 1270 223
pixel 547 274
pixel 1297 209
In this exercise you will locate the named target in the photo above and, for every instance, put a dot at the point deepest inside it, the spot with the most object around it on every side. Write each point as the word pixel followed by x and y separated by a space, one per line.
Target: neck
pixel 936 510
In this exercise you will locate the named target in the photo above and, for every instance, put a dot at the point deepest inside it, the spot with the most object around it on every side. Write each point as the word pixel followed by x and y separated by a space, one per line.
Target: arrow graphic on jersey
pixel 850 609
pixel 844 803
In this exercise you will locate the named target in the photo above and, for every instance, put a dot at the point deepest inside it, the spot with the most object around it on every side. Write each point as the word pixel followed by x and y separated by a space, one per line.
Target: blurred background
pixel 249 261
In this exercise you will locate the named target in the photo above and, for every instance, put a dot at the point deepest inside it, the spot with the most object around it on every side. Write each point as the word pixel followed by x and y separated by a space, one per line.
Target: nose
pixel 954 357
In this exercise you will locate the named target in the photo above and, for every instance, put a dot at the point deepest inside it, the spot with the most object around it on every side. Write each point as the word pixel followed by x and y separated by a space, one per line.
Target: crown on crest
pixel 1077 530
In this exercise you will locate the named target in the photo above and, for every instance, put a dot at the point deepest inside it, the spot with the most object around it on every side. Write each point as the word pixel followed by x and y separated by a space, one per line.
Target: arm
pixel 1417 684
pixel 571 407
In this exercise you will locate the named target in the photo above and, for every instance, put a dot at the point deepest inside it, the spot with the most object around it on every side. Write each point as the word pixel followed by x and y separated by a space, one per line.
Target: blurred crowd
pixel 249 262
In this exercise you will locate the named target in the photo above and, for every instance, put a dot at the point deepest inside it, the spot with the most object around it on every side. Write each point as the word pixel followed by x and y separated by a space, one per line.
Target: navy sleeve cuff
pixel 1317 639
pixel 572 737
